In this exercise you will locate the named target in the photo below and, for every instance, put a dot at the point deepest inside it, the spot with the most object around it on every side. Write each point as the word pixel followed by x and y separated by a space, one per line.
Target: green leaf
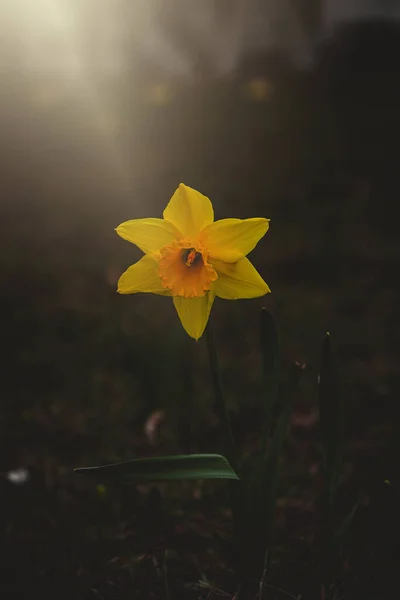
pixel 164 468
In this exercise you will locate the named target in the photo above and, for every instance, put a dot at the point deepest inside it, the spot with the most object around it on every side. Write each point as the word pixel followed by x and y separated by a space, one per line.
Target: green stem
pixel 187 398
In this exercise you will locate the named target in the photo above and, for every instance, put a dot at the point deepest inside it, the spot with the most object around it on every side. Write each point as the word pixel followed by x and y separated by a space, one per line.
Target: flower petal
pixel 238 280
pixel 148 234
pixel 189 211
pixel 142 277
pixel 230 240
pixel 194 313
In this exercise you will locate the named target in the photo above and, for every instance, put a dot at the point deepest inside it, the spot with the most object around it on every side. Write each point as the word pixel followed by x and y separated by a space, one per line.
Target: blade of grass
pixel 254 481
pixel 345 526
pixel 331 437
pixel 269 486
pixel 330 423
pixel 261 513
pixel 164 468
pixel 221 408
pixel 236 491
pixel 269 344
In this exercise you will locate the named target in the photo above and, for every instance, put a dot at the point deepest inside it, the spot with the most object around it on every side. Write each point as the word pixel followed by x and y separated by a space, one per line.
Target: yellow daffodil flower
pixel 191 257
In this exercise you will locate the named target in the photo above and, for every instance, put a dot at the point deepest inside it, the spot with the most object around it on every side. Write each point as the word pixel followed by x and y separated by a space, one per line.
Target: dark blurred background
pixel 284 109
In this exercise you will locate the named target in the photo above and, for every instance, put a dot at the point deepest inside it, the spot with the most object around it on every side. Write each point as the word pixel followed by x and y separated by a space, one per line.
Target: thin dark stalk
pixel 269 344
pixel 221 408
pixel 271 473
pixel 330 411
pixel 235 487
pixel 165 577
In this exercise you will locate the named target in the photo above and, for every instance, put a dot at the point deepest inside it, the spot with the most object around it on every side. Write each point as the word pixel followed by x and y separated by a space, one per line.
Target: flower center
pixel 184 269
pixel 191 257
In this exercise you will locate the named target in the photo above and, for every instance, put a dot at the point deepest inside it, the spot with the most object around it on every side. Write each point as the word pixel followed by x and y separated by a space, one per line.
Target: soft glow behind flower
pixel 191 257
